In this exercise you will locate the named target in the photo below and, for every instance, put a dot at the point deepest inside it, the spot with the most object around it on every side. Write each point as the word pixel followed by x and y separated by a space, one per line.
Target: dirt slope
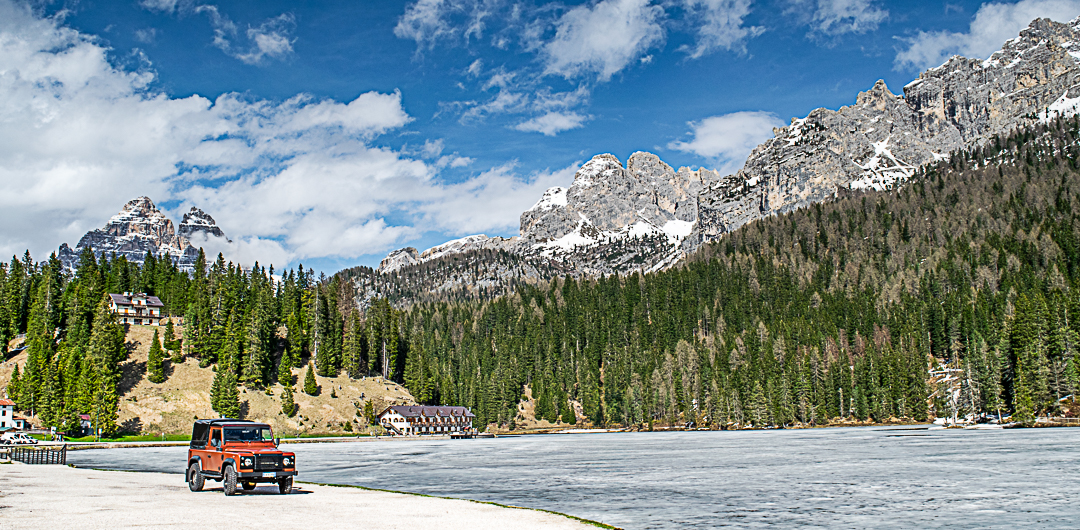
pixel 171 406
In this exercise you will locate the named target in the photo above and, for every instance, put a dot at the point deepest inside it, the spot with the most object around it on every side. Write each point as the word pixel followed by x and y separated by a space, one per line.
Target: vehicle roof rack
pixel 223 420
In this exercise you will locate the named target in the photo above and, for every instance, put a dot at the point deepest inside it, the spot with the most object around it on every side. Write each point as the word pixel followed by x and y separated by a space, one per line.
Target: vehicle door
pixel 214 449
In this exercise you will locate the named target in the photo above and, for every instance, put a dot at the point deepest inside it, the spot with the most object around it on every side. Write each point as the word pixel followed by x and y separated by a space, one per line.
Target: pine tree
pixel 228 403
pixel 254 358
pixel 14 385
pixel 106 351
pixel 310 387
pixel 216 386
pixel 155 368
pixel 284 375
pixel 171 343
pixel 288 406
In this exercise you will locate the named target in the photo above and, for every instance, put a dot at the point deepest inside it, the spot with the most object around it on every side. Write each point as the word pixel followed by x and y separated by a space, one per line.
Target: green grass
pixel 325 435
pixel 136 438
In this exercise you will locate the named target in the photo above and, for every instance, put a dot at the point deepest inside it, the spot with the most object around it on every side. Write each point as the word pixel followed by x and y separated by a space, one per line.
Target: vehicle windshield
pixel 259 433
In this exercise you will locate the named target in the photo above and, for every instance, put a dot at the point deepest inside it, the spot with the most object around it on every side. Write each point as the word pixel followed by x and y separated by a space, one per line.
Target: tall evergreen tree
pixel 310 387
pixel 155 368
pixel 288 406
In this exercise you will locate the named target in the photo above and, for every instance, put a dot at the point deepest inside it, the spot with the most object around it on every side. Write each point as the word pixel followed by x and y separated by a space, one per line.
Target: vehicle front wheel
pixel 195 478
pixel 229 484
pixel 284 485
pixel 248 486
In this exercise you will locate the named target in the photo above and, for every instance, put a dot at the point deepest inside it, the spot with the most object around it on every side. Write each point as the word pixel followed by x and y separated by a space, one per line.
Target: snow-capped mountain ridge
pixel 139 228
pixel 616 219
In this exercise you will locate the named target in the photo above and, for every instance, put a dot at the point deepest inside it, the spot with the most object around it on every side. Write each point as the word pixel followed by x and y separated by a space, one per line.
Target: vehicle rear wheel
pixel 229 484
pixel 284 485
pixel 195 478
pixel 248 486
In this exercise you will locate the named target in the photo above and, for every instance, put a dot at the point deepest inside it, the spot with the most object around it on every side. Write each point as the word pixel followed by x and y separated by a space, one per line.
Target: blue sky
pixel 330 133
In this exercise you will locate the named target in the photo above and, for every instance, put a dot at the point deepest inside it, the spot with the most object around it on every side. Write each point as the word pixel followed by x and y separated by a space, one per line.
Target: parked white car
pixel 16 438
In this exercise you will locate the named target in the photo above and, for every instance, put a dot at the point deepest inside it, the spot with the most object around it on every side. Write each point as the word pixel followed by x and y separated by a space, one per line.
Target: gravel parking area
pixel 54 496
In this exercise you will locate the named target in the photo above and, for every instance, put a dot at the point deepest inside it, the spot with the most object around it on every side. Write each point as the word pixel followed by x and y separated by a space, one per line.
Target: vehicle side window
pixel 215 438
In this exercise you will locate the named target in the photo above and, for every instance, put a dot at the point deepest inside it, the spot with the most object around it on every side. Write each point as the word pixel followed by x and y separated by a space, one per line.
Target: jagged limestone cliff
pixel 139 228
pixel 647 216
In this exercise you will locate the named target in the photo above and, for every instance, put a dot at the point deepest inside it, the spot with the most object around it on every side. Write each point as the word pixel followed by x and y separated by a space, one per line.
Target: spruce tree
pixel 14 385
pixel 215 387
pixel 169 339
pixel 155 367
pixel 106 351
pixel 310 387
pixel 228 402
pixel 288 406
pixel 284 374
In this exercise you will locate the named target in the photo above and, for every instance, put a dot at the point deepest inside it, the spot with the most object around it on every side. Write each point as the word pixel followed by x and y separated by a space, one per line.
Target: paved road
pixel 54 496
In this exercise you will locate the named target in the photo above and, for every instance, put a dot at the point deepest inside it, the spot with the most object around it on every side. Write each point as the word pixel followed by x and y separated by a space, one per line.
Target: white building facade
pixel 136 308
pixel 7 414
pixel 419 419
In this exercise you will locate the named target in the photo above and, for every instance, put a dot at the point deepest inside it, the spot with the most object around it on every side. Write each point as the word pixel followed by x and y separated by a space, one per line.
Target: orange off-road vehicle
pixel 237 452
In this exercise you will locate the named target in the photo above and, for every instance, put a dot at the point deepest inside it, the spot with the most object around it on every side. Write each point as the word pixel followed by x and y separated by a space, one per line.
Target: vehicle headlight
pixel 246 461
pixel 287 461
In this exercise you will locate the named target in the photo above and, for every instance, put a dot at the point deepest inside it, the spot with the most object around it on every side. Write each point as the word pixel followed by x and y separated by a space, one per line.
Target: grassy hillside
pixel 171 406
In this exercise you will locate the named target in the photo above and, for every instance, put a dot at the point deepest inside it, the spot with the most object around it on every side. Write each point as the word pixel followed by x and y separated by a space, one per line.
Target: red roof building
pixel 7 414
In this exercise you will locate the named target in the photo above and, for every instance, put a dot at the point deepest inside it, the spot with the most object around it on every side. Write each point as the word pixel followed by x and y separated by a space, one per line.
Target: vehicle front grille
pixel 268 462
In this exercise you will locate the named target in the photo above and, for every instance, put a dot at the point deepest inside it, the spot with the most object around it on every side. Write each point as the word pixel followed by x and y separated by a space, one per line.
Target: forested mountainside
pixel 253 329
pixel 839 310
pixel 955 293
pixel 472 275
pixel 645 215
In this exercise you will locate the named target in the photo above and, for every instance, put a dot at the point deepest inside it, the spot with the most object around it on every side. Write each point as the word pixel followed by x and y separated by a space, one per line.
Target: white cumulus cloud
pixel 836 17
pixel 552 123
pixel 429 21
pixel 728 139
pixel 720 26
pixel 499 191
pixel 301 178
pixel 993 24
pixel 603 38
pixel 270 39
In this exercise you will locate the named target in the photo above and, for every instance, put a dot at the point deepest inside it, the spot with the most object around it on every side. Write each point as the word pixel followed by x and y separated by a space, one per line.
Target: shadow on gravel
pixel 270 491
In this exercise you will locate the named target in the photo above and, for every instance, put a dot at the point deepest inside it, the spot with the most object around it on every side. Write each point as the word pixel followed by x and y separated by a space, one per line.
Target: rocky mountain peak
pixel 878 97
pixel 141 219
pixel 140 228
pixel 197 221
pixel 399 258
pixel 645 215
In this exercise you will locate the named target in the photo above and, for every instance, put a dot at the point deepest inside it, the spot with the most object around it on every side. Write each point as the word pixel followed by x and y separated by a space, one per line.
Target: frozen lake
pixel 835 478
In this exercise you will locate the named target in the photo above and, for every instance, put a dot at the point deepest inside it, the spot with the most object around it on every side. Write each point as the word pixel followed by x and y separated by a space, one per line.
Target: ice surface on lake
pixel 829 478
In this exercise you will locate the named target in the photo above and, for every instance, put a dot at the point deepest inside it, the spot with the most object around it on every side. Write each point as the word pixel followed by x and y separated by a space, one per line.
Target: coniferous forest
pixel 953 294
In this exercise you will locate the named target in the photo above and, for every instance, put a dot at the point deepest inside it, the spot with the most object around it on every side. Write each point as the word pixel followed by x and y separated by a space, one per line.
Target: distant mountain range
pixel 647 216
pixel 140 228
pixel 644 216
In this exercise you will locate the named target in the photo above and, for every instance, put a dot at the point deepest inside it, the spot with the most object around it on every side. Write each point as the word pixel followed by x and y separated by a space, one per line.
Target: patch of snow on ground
pixel 567 242
pixel 451 247
pixel 678 230
pixel 1064 106
pixel 640 229
pixel 882 170
pixel 587 175
pixel 553 198
pixel 795 131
